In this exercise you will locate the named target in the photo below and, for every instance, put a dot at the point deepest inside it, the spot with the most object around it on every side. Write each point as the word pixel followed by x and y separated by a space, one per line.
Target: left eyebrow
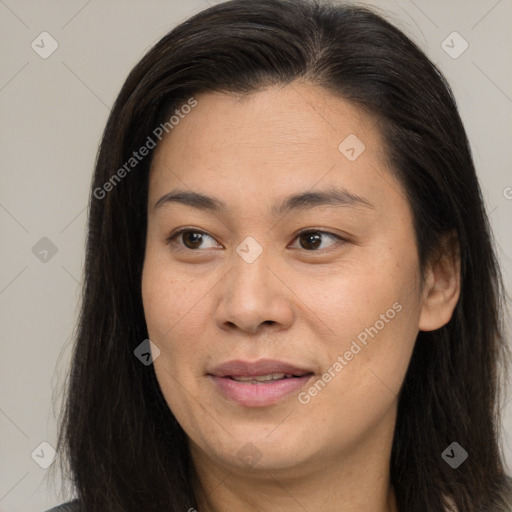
pixel 302 201
pixel 329 197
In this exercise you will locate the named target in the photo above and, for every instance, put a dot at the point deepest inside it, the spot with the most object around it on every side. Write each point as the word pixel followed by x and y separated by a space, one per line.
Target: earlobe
pixel 441 288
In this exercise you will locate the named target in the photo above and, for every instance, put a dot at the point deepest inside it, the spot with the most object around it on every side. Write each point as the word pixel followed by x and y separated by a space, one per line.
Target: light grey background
pixel 53 112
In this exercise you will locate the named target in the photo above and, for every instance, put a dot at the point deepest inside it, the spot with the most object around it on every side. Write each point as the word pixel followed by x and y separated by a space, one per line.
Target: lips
pixel 260 383
pixel 259 368
pixel 261 379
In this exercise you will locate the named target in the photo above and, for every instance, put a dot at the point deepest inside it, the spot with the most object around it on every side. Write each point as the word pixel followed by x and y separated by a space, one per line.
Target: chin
pixel 253 450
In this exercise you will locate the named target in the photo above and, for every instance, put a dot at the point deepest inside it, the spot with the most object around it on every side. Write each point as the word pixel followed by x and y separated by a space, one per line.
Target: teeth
pixel 263 378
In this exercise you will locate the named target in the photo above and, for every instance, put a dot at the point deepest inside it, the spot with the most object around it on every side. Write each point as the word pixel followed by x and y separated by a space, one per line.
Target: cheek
pixel 174 317
pixel 373 318
pixel 169 298
pixel 352 297
pixel 370 317
pixel 172 307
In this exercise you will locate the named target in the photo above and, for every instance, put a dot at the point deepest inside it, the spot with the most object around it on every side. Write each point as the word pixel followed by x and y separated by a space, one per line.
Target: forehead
pixel 271 143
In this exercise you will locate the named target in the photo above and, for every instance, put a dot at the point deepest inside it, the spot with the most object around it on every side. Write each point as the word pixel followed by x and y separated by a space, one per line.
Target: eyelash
pixel 171 239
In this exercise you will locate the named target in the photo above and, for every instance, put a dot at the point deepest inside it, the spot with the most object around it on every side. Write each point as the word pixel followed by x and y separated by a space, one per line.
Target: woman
pixel 285 204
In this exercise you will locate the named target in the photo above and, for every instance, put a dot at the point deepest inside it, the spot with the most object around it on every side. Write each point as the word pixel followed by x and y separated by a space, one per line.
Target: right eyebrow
pixel 193 199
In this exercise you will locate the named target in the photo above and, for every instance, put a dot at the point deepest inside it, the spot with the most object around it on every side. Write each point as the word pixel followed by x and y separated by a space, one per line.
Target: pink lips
pixel 253 394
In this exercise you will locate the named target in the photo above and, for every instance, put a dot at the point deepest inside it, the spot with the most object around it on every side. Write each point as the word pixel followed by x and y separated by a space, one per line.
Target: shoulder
pixel 72 506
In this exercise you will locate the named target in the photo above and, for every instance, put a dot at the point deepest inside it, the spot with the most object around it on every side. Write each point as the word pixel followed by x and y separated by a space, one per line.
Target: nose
pixel 254 297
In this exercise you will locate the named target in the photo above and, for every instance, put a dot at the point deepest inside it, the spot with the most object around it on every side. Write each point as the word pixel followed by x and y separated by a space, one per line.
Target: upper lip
pixel 239 368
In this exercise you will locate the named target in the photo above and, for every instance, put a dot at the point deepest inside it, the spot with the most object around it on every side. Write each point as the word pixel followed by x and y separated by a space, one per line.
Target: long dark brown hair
pixel 122 445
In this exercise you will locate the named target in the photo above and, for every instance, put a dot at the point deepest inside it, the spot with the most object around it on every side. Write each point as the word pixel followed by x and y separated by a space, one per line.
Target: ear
pixel 441 286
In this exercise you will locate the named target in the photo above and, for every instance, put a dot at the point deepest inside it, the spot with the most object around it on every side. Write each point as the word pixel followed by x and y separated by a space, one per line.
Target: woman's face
pixel 302 261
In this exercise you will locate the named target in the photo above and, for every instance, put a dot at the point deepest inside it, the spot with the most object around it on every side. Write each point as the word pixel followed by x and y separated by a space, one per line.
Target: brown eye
pixel 310 240
pixel 191 239
pixel 313 240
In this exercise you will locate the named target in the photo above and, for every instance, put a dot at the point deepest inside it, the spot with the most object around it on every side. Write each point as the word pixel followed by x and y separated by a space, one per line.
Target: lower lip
pixel 259 395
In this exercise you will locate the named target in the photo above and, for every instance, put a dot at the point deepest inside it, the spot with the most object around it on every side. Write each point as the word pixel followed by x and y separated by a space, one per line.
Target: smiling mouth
pixel 259 383
pixel 265 379
pixel 259 390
